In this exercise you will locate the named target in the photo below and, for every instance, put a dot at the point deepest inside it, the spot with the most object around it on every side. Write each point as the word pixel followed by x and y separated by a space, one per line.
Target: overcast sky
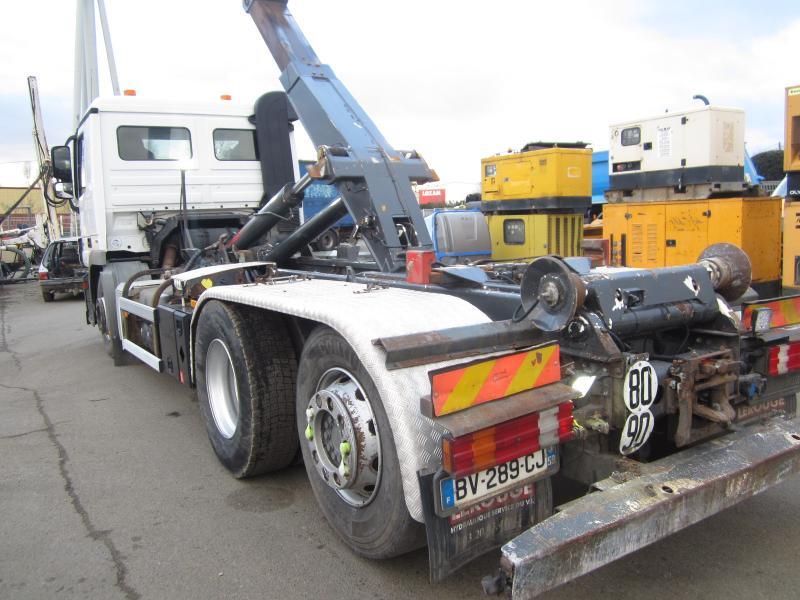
pixel 456 80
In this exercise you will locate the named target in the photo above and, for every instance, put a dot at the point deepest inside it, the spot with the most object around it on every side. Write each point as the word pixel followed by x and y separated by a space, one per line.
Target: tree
pixel 769 164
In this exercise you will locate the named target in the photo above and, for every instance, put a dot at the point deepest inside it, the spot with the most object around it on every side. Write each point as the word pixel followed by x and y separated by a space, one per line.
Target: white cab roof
pixel 128 104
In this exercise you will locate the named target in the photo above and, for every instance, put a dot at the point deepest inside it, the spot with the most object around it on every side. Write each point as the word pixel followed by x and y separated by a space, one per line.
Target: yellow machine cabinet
pixel 560 174
pixel 526 235
pixel 667 234
pixel 643 228
pixel 791 244
pixel 791 211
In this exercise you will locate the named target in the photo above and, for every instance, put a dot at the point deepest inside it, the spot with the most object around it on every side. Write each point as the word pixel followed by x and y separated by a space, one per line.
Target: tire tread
pixel 268 349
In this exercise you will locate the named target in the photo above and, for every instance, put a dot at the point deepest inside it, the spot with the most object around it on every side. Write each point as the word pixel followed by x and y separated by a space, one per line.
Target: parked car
pixel 61 269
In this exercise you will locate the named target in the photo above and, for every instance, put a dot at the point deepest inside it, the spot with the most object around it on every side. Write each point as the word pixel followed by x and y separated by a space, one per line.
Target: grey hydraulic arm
pixel 373 178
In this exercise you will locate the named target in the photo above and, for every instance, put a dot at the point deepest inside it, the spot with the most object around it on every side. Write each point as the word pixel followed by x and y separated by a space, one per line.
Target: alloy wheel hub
pixel 342 437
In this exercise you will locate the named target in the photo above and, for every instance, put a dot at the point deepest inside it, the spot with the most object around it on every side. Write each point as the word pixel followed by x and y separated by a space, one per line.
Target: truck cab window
pixel 235 144
pixel 154 143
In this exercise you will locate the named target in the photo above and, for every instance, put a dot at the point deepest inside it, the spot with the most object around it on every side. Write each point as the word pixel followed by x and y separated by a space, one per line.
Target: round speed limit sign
pixel 639 392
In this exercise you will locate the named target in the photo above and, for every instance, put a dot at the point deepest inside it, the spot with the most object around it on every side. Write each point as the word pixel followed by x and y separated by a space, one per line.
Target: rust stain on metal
pixel 686 488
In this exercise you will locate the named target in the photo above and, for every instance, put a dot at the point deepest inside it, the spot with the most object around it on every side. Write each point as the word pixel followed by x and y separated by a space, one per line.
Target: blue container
pixel 599 176
pixel 318 196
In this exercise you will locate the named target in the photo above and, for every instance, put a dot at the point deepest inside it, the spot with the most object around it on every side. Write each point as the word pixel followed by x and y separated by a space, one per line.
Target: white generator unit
pixel 701 146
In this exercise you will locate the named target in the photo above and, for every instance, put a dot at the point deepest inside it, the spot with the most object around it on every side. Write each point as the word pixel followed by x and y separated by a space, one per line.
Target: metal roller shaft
pixel 308 231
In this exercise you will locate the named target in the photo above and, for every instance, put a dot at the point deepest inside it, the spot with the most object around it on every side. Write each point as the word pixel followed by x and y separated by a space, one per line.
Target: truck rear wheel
pixel 246 371
pixel 47 296
pixel 349 451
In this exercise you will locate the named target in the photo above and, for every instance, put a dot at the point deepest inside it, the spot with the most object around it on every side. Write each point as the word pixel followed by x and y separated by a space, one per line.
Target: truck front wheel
pixel 349 452
pixel 107 324
pixel 246 370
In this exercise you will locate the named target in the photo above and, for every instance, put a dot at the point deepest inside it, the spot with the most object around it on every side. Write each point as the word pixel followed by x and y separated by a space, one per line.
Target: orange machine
pixel 670 233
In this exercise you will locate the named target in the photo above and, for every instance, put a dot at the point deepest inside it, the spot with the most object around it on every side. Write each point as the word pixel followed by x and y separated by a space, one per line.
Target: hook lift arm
pixel 373 178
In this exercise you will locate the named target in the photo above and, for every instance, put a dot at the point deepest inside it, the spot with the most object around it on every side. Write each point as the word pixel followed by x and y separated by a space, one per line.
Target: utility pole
pixel 86 83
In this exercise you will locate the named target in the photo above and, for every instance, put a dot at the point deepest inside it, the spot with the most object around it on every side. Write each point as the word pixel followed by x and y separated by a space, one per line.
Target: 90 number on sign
pixel 639 392
pixel 638 428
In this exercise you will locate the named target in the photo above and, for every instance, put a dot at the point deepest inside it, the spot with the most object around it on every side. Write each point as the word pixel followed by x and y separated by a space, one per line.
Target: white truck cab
pixel 158 181
pixel 129 154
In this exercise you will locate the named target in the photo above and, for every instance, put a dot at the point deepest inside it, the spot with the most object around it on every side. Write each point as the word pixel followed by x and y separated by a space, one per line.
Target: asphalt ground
pixel 110 489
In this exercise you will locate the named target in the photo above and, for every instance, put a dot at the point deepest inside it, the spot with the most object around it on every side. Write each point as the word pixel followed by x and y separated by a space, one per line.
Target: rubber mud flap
pixel 457 539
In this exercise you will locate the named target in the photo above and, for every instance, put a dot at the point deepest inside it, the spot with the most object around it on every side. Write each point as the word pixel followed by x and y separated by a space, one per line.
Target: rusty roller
pixel 551 293
pixel 729 268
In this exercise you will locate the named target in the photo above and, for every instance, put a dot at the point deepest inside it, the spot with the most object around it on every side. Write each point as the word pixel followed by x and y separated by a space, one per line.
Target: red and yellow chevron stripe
pixel 460 387
pixel 785 311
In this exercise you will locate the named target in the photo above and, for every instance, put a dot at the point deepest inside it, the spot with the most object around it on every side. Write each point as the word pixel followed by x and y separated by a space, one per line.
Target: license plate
pixel 460 492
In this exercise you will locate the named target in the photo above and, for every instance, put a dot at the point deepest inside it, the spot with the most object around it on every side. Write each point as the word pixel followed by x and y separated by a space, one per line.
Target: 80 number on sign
pixel 639 392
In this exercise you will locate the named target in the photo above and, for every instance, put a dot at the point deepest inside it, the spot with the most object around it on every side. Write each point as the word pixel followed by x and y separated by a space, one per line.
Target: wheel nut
pixel 344 448
pixel 344 468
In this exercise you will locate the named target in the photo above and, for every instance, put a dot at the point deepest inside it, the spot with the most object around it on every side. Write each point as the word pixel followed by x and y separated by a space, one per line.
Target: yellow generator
pixel 791 213
pixel 672 233
pixel 791 244
pixel 534 200
pixel 519 236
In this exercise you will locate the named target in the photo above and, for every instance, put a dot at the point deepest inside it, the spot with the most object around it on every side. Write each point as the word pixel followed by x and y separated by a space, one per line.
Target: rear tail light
pixel 784 358
pixel 507 441
pixel 42 275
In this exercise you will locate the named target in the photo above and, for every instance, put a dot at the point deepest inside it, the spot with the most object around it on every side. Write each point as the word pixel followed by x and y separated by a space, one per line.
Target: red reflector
pixel 182 377
pixel 784 358
pixel 42 275
pixel 418 266
pixel 507 441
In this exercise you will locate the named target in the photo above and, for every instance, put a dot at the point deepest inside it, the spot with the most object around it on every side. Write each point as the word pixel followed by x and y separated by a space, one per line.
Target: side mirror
pixel 63 190
pixel 61 159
